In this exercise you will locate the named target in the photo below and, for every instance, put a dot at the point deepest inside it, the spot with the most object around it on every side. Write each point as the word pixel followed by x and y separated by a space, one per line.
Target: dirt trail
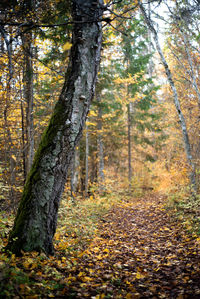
pixel 140 252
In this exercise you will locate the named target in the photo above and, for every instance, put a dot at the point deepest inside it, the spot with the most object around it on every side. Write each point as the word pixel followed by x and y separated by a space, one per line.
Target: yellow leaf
pixel 99 257
pixel 95 249
pixel 67 46
pixel 106 250
pixel 86 279
pixel 14 158
pixel 139 275
pixel 81 274
pixel 89 123
pixel 92 113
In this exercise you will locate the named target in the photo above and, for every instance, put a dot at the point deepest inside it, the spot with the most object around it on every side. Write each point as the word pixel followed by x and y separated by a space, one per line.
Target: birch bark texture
pixel 36 219
pixel 186 141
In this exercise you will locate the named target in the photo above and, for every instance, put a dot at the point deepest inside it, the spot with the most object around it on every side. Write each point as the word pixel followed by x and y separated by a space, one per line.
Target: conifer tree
pixel 139 88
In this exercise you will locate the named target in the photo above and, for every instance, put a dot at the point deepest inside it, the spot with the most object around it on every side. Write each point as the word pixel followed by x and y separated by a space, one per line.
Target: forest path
pixel 140 252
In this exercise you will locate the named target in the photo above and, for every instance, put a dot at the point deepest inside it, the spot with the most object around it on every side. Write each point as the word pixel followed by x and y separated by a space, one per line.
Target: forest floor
pixel 139 250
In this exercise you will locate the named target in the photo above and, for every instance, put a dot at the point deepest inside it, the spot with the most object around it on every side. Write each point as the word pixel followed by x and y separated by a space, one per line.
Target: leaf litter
pixel 139 250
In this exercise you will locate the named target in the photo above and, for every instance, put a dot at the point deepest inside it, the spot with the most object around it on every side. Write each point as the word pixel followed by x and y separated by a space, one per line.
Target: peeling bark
pixel 36 220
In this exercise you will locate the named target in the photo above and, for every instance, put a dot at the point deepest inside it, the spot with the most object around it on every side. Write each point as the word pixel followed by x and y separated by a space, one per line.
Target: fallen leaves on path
pixel 140 252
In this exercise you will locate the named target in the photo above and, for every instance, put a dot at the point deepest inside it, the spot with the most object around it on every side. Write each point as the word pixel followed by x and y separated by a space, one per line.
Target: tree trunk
pixel 28 95
pixel 75 173
pixel 86 160
pixel 175 97
pixel 129 106
pixel 36 220
pixel 100 147
pixel 23 141
pixel 9 146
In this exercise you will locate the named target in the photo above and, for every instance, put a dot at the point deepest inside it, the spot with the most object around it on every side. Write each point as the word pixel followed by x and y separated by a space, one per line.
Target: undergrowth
pixel 77 222
pixel 186 207
pixel 38 276
pixel 35 275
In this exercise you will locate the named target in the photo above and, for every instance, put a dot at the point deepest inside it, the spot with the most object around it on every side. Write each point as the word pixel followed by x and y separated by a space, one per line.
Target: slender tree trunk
pixel 23 141
pixel 93 165
pixel 129 145
pixel 86 160
pixel 100 146
pixel 175 97
pixel 75 173
pixel 28 95
pixel 9 156
pixel 9 146
pixel 36 219
pixel 150 66
pixel 23 131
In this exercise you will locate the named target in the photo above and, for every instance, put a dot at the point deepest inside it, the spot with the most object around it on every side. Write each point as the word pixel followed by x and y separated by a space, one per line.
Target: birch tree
pixel 36 219
pixel 186 140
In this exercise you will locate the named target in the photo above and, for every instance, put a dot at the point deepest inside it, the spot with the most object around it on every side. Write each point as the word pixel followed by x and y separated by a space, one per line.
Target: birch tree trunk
pixel 175 97
pixel 36 219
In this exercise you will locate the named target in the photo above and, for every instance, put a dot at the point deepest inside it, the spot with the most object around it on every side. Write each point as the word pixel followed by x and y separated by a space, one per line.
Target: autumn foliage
pixel 118 235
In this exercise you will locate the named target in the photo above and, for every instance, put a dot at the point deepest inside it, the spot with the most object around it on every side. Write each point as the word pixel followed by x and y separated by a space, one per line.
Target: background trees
pixel 34 55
